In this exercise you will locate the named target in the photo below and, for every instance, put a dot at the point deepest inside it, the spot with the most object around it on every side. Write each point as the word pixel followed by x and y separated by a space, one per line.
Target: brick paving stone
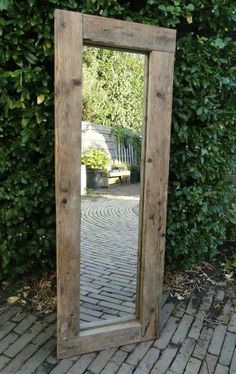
pixel 105 298
pixel 24 339
pixel 196 328
pixel 233 363
pixel 63 366
pixel 51 317
pixel 81 365
pixel 7 340
pixel 165 360
pixel 148 361
pixel 221 369
pixel 217 340
pixel 166 333
pixel 232 324
pixel 6 328
pixel 110 368
pixel 227 348
pixel 125 369
pixel 25 324
pixel 203 343
pixel 180 309
pixel 9 313
pixel 91 312
pixel 3 361
pixel 119 357
pixel 38 357
pixel 183 356
pixel 193 366
pixel 165 313
pixel 182 329
pixel 138 353
pixel 19 359
pixel 206 301
pixel 19 316
pixel 44 368
pixel 226 313
pixel 117 307
pixel 45 335
pixel 209 364
pixel 192 307
pixel 101 360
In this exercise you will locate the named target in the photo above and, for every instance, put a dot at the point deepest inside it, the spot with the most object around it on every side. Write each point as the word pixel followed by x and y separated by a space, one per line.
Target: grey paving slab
pixel 217 340
pixel 165 360
pixel 209 364
pixel 193 366
pixel 101 360
pixel 183 356
pixel 81 365
pixel 182 329
pixel 203 343
pixel 138 353
pixel 167 333
pixel 232 324
pixel 233 363
pixel 227 348
pixel 148 361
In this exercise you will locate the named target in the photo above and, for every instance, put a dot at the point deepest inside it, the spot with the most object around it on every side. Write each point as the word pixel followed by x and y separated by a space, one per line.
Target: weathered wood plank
pixel 155 189
pixel 127 35
pixel 103 337
pixel 68 98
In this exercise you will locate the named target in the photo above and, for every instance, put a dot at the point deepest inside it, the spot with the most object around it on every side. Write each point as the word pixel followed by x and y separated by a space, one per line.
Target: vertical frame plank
pixel 157 147
pixel 68 98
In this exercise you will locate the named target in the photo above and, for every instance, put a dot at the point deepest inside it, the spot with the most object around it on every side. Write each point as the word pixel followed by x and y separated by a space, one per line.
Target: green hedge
pixel 203 134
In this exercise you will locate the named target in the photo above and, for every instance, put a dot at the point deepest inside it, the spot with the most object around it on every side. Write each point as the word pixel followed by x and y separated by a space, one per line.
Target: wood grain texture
pixel 71 29
pixel 68 98
pixel 102 337
pixel 159 103
pixel 127 35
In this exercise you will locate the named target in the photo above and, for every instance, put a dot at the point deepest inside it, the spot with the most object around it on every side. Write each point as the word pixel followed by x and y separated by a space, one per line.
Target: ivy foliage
pixel 203 132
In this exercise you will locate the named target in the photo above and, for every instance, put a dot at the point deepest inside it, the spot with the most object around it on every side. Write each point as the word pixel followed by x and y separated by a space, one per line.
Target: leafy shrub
pixel 203 135
pixel 96 159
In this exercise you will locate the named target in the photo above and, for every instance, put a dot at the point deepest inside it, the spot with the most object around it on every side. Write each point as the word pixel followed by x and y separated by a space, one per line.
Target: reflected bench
pixel 122 175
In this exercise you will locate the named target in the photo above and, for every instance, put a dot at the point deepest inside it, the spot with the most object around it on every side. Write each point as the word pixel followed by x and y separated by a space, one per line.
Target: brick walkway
pixel 197 335
pixel 109 244
pixel 188 343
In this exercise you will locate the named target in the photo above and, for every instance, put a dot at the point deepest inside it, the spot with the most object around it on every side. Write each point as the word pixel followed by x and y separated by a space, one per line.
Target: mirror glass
pixel 112 136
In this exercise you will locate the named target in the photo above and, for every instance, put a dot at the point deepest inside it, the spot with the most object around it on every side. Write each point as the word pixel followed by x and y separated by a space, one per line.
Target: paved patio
pixel 109 245
pixel 198 335
pixel 190 342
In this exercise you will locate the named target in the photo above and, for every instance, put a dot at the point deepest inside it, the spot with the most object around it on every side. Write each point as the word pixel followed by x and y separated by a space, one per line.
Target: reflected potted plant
pixel 135 174
pixel 97 161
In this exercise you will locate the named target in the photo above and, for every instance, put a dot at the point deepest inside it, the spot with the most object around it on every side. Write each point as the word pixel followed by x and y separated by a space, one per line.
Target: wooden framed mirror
pixel 72 31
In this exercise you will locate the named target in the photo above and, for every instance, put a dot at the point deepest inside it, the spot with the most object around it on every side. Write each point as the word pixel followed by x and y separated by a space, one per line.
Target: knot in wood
pixel 76 82
pixel 159 95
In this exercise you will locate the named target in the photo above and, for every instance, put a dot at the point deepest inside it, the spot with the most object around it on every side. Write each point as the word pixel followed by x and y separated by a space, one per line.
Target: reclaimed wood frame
pixel 72 31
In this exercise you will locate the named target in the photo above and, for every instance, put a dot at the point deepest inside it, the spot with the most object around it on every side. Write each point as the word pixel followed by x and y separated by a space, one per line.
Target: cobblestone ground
pixel 189 342
pixel 109 244
pixel 194 338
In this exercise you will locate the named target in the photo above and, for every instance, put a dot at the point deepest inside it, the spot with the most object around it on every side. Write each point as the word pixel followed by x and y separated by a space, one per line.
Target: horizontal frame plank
pixel 134 36
pixel 102 337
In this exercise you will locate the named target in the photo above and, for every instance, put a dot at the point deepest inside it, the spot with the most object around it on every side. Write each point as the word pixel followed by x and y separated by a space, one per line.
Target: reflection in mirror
pixel 113 107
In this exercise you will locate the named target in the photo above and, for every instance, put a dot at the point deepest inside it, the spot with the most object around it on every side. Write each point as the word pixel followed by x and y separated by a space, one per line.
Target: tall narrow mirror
pixel 112 136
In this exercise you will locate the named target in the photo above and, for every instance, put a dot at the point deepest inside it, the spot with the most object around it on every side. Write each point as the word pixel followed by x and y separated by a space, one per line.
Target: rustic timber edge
pixel 72 31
